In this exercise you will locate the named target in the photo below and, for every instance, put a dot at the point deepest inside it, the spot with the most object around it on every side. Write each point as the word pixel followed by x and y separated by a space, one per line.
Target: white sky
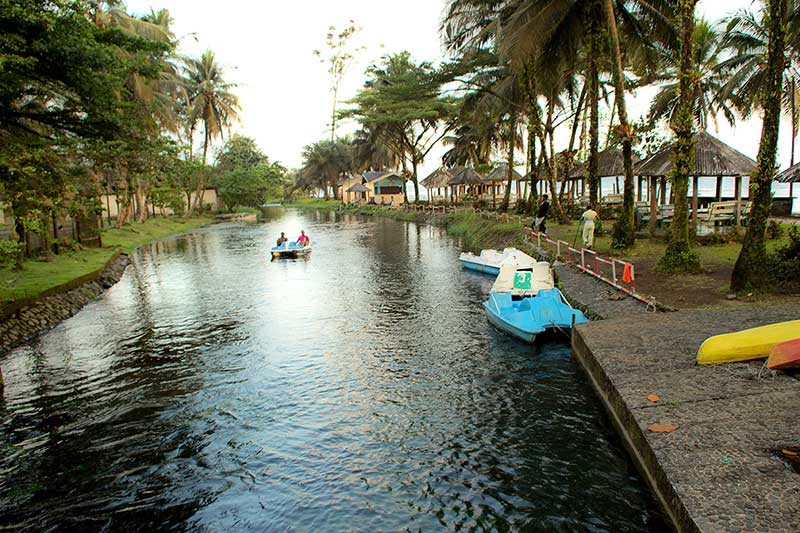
pixel 267 48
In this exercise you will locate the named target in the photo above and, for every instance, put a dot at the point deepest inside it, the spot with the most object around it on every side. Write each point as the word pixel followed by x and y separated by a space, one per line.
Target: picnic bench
pixel 663 215
pixel 724 212
pixel 613 199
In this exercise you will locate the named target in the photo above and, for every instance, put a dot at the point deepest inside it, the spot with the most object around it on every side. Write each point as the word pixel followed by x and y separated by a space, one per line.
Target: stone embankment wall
pixel 44 313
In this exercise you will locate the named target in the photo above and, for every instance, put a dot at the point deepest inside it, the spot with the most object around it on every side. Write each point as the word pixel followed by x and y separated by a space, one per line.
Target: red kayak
pixel 785 355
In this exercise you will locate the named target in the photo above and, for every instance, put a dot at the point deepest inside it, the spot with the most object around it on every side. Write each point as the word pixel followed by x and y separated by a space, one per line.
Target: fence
pixel 615 272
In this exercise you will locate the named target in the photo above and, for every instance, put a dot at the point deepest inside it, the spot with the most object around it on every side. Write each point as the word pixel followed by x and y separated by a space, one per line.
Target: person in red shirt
pixel 303 239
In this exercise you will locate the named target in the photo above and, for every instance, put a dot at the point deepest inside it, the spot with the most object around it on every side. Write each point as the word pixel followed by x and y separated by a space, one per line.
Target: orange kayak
pixel 785 355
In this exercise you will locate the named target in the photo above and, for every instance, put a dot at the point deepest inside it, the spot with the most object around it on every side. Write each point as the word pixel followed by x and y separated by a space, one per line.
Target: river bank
pixel 46 292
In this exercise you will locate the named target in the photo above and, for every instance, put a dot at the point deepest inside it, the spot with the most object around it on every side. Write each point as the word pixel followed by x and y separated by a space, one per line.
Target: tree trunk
pixel 595 40
pixel 678 256
pixel 414 163
pixel 750 268
pixel 534 132
pixel 512 140
pixel 625 228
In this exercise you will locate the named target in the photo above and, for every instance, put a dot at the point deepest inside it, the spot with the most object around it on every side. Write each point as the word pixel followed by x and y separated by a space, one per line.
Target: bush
pixel 774 230
pixel 784 263
pixel 10 254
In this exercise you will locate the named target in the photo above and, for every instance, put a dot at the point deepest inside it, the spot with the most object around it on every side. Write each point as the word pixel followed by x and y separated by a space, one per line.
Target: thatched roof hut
pixel 499 174
pixel 790 175
pixel 464 176
pixel 712 158
pixel 439 178
pixel 610 164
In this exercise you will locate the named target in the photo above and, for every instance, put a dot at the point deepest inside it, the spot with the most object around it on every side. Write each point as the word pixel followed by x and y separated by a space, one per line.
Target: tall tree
pixel 679 256
pixel 339 55
pixel 403 104
pixel 212 102
pixel 749 269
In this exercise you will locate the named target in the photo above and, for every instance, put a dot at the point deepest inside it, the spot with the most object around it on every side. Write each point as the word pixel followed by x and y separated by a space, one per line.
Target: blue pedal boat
pixel 490 261
pixel 524 303
pixel 290 249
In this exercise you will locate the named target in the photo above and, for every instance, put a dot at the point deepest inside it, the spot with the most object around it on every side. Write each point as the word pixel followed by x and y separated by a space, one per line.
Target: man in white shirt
pixel 589 217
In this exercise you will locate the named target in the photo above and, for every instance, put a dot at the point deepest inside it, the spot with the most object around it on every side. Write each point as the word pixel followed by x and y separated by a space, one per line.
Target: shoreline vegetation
pixel 38 276
pixel 704 289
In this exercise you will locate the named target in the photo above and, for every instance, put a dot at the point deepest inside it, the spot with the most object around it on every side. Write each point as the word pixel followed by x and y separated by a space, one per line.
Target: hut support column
pixel 738 187
pixel 653 206
pixel 663 192
pixel 719 188
pixel 695 185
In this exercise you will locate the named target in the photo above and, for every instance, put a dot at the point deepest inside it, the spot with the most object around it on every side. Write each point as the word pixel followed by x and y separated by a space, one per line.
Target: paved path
pixel 721 470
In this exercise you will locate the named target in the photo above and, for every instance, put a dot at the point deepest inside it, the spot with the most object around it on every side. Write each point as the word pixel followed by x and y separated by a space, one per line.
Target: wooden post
pixel 653 206
pixel 738 187
pixel 616 182
pixel 663 191
pixel 695 185
pixel 638 188
pixel 719 188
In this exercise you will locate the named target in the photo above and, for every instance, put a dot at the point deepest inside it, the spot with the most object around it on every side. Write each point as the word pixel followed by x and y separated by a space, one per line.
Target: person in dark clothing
pixel 541 215
pixel 282 239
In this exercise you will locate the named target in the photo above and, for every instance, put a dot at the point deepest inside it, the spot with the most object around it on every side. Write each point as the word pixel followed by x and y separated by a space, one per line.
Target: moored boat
pixel 524 302
pixel 290 249
pixel 490 261
pixel 785 355
pixel 753 343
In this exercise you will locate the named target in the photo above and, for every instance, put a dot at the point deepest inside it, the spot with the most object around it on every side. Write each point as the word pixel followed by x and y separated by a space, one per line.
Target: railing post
pixel 614 270
pixel 583 257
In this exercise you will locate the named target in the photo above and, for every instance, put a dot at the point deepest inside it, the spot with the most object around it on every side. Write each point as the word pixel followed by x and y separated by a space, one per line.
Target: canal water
pixel 361 389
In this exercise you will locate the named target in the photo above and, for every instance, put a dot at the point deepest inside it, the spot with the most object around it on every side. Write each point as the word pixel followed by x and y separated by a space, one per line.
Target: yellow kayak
pixel 753 343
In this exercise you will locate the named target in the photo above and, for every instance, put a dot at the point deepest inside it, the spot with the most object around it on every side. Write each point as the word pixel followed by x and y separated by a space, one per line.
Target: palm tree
pixel 709 99
pixel 324 162
pixel 678 255
pixel 212 103
pixel 749 268
pixel 747 38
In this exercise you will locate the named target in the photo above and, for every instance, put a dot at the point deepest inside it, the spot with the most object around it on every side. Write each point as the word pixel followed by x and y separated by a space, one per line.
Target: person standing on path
pixel 541 215
pixel 588 218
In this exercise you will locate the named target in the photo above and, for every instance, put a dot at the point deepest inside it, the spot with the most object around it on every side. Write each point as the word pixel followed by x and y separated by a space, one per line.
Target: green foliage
pixel 168 198
pixel 679 262
pixel 10 254
pixel 784 263
pixel 245 176
pixel 774 230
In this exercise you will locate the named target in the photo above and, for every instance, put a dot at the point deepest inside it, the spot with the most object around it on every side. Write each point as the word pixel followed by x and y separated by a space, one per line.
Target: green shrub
pixel 774 230
pixel 10 254
pixel 784 263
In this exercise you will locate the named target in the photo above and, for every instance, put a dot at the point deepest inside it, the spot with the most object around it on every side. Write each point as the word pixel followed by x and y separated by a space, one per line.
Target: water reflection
pixel 213 388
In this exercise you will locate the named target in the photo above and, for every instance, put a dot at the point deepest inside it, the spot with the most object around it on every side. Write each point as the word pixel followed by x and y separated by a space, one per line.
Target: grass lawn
pixel 38 276
pixel 709 288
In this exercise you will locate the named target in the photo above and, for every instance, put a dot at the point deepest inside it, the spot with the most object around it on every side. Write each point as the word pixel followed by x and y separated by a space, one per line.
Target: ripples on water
pixel 361 389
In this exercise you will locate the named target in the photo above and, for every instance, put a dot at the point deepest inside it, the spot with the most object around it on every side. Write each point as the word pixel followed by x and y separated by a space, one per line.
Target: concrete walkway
pixel 721 470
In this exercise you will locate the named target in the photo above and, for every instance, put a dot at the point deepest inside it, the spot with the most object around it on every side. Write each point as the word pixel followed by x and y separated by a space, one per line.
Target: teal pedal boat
pixel 524 303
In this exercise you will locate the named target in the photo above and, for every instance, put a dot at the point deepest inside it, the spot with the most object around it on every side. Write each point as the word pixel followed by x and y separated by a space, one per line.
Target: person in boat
pixel 282 239
pixel 540 222
pixel 303 239
pixel 588 219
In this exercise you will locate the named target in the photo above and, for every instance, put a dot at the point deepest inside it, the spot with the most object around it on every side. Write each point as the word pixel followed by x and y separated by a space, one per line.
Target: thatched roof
pixel 712 158
pixel 464 176
pixel 438 178
pixel 358 187
pixel 790 175
pixel 610 163
pixel 498 174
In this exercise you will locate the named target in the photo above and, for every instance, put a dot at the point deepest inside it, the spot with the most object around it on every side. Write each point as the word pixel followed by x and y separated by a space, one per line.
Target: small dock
pixel 722 469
